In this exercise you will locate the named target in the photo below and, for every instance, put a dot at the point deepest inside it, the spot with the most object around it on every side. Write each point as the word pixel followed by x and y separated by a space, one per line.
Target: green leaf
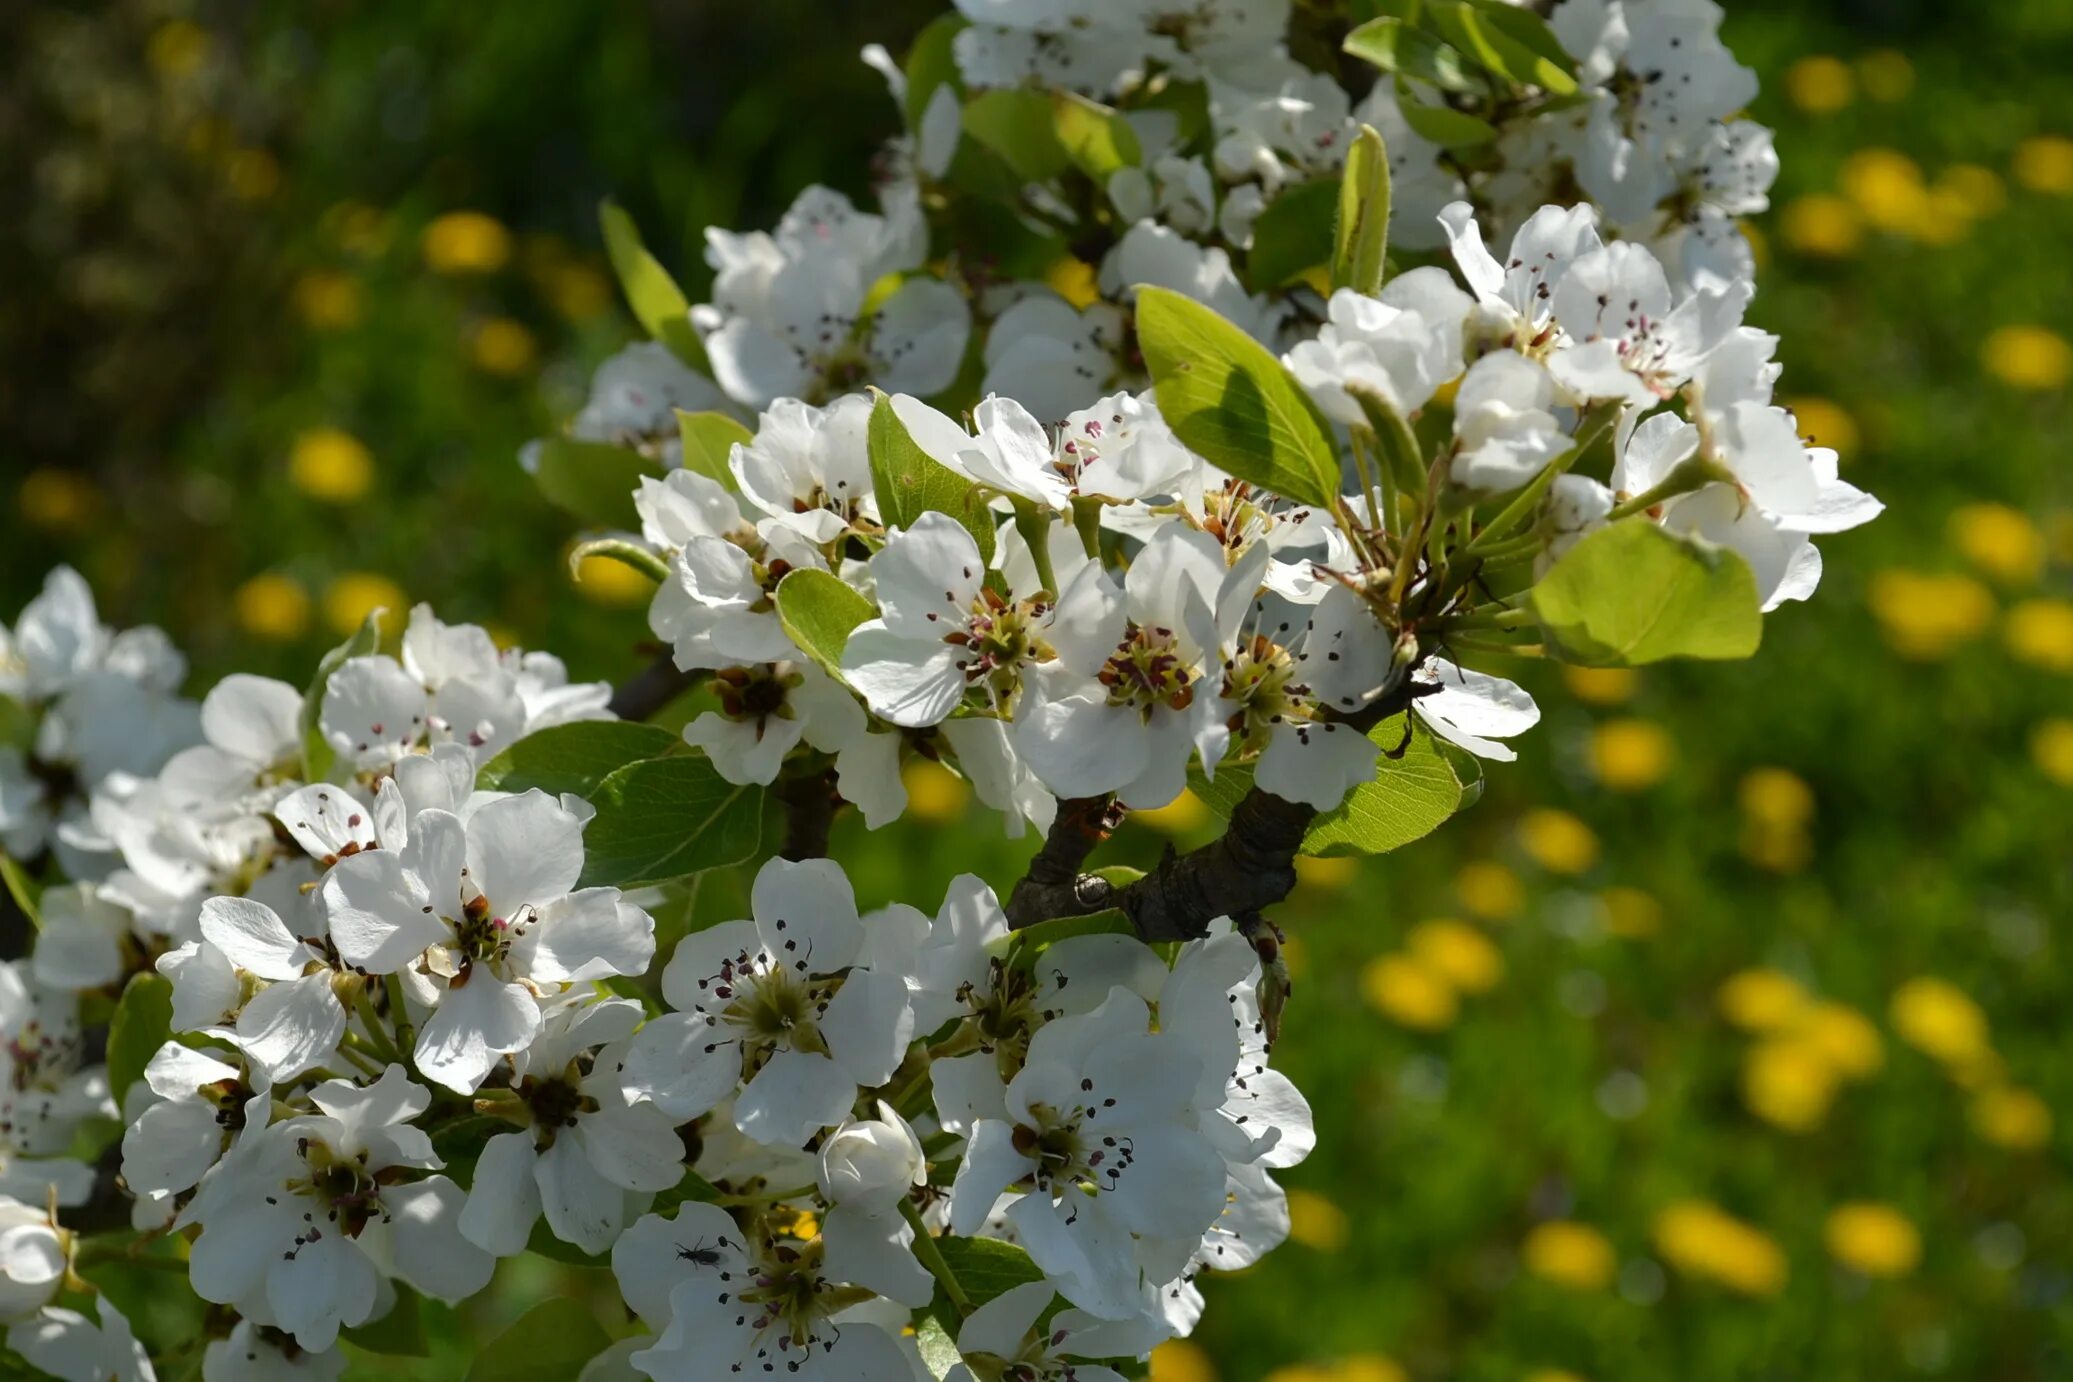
pixel 1411 796
pixel 1394 46
pixel 938 1350
pixel 1094 136
pixel 1017 123
pixel 574 758
pixel 709 440
pixel 1293 235
pixel 1443 125
pixel 666 817
pixel 1632 593
pixel 593 480
pixel 657 302
pixel 1232 402
pixel 1361 238
pixel 909 482
pixel 541 1242
pixel 464 1139
pixel 400 1333
pixel 635 556
pixel 986 1267
pixel 550 1343
pixel 317 754
pixel 143 1022
pixel 25 890
pixel 818 611
pixel 1513 43
pixel 692 1187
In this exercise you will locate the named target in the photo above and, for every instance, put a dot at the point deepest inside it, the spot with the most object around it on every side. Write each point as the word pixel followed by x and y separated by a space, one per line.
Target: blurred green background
pixel 1724 1038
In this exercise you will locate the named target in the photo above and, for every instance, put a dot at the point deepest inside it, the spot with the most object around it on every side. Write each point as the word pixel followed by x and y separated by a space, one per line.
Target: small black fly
pixel 699 1255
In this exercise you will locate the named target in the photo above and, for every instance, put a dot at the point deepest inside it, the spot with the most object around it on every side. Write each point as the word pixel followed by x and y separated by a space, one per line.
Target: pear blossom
pixel 258 1353
pixel 67 1345
pixel 766 711
pixel 1399 346
pixel 868 1168
pixel 196 1108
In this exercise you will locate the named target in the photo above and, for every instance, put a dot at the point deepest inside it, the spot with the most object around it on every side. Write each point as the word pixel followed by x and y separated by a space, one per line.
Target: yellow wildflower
pixel 1701 1239
pixel 1631 755
pixel 463 242
pixel 1819 85
pixel 1409 993
pixel 1464 956
pixel 331 465
pixel 1558 841
pixel 1570 1254
pixel 2039 632
pixel 2000 541
pixel 1872 1239
pixel 2028 357
pixel 1937 1017
pixel 272 606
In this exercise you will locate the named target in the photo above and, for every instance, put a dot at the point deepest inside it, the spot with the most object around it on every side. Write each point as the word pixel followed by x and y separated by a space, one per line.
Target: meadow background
pixel 1724 1038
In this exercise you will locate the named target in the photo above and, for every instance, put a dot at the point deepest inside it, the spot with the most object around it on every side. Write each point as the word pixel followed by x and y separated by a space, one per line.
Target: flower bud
pixel 32 1260
pixel 872 1163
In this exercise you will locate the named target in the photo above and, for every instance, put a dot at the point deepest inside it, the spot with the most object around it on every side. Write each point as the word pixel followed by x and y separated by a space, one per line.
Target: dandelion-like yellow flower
pixel 1762 1000
pixel 2028 357
pixel 1886 186
pixel 1601 685
pixel 2044 163
pixel 1775 797
pixel 352 596
pixel 331 465
pixel 1703 1240
pixel 1824 422
pixel 1787 1083
pixel 1631 755
pixel 1820 85
pixel 1885 75
pixel 1926 616
pixel 2039 633
pixel 1822 226
pixel 1409 993
pixel 1872 1239
pixel 1558 841
pixel 2012 1118
pixel 1316 1222
pixel 1940 1019
pixel 327 300
pixel 1177 1360
pixel 502 346
pixel 1464 956
pixel 1570 1254
pixel 466 242
pixel 934 793
pixel 2000 541
pixel 2051 749
pixel 1489 890
pixel 273 607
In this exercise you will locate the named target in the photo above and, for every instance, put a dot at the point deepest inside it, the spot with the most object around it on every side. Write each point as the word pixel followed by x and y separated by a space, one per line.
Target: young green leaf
pixel 665 817
pixel 574 758
pixel 1513 43
pixel 1362 236
pixel 143 1022
pixel 317 754
pixel 709 441
pixel 819 610
pixel 931 62
pixel 1231 401
pixel 1412 796
pixel 909 482
pixel 1096 138
pixel 1017 123
pixel 24 889
pixel 657 302
pixel 550 1343
pixel 1632 593
pixel 1395 46
pixel 986 1267
pixel 593 480
pixel 1293 235
pixel 1443 125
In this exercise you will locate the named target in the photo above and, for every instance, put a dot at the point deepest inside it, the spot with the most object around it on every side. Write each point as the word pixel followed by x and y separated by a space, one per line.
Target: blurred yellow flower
pixel 1787 1083
pixel 2039 632
pixel 1777 849
pixel 1327 874
pixel 1316 1222
pixel 2012 1118
pixel 1847 1039
pixel 1184 814
pixel 327 300
pixel 1886 186
pixel 56 499
pixel 332 465
pixel 1409 993
pixel 1979 191
pixel 1701 1239
pixel 1558 841
pixel 1630 913
pixel 1177 1360
pixel 1939 1018
pixel 2000 541
pixel 1824 422
pixel 352 596
pixel 463 242
pixel 2028 357
pixel 2044 163
pixel 1872 1239
pixel 1631 755
pixel 1762 1000
pixel 1368 1367
pixel 1464 956
pixel 253 174
pixel 1776 797
pixel 934 793
pixel 1886 74
pixel 576 291
pixel 1823 225
pixel 502 346
pixel 177 47
pixel 1074 280
pixel 272 606
pixel 1601 685
pixel 1927 615
pixel 1819 85
pixel 1490 890
pixel 1570 1254
pixel 603 581
pixel 2051 749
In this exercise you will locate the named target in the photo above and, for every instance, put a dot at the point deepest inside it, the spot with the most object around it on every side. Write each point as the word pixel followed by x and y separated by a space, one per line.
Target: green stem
pixel 931 1257
pixel 377 1035
pixel 1688 476
pixel 1596 423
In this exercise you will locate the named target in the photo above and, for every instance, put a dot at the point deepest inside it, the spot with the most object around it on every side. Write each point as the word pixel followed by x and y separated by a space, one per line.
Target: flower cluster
pixel 1054 478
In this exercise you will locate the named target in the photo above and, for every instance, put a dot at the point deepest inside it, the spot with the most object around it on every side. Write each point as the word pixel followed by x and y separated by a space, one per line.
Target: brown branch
pixel 1248 868
pixel 652 688
pixel 809 800
pixel 1054 885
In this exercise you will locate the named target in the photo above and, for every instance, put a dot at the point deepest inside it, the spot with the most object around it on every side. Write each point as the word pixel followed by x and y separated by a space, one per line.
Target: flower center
pixel 1069 1154
pixel 348 1194
pixel 1147 671
pixel 999 639
pixel 555 1101
pixel 1260 681
pixel 755 694
pixel 484 938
